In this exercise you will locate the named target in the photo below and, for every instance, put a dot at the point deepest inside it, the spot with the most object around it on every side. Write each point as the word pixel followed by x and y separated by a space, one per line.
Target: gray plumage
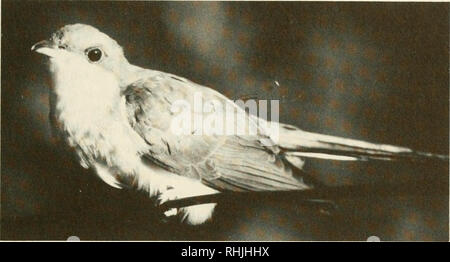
pixel 227 162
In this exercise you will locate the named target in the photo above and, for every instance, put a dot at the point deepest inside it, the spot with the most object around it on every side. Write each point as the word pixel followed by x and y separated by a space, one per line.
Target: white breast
pixel 92 114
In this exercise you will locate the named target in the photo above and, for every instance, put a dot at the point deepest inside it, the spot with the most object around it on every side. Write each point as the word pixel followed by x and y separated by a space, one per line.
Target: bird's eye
pixel 94 54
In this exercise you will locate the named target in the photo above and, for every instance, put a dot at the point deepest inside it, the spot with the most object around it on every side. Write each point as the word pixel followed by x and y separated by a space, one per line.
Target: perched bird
pixel 119 117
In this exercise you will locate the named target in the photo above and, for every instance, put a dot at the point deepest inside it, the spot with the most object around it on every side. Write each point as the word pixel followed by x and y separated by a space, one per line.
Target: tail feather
pixel 299 143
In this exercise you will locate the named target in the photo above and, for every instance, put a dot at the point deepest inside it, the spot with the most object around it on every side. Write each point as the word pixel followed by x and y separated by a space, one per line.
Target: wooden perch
pixel 322 195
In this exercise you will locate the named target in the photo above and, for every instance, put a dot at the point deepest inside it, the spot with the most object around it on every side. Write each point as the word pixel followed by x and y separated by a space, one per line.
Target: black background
pixel 373 71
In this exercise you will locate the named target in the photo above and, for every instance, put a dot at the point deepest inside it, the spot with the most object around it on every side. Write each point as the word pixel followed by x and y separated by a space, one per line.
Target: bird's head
pixel 84 46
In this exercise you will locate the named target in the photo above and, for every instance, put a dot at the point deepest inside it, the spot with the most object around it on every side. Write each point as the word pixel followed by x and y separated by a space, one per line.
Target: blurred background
pixel 372 71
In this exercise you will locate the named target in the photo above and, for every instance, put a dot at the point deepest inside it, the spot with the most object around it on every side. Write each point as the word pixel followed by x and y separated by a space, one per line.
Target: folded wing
pixel 225 162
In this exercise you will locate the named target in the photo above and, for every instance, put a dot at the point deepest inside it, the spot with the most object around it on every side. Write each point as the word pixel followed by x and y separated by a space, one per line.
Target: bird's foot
pixel 168 195
pixel 194 215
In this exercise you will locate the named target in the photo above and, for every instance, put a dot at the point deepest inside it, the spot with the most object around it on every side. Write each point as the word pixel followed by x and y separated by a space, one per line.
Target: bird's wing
pixel 225 162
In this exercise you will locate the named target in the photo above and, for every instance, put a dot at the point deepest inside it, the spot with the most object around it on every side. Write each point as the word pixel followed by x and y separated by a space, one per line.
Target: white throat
pixel 91 111
pixel 86 92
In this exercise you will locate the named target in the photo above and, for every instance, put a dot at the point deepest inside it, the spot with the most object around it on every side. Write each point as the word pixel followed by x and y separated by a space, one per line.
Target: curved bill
pixel 45 47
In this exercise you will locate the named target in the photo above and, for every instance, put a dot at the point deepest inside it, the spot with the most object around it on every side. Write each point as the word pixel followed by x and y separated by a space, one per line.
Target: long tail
pixel 297 145
pixel 301 144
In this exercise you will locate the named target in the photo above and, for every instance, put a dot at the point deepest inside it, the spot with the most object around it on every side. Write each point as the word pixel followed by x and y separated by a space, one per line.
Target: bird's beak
pixel 45 47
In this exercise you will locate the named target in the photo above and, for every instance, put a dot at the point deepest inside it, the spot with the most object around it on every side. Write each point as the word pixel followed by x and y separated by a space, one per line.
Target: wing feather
pixel 224 162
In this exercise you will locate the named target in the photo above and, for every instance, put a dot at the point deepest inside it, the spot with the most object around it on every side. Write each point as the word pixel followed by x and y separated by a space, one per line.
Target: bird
pixel 118 119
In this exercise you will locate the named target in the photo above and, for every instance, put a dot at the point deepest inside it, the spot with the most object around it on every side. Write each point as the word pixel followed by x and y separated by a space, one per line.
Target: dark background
pixel 372 71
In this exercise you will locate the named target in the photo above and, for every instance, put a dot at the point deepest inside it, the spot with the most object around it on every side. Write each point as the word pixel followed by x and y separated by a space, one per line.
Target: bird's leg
pixel 167 186
pixel 196 214
pixel 167 195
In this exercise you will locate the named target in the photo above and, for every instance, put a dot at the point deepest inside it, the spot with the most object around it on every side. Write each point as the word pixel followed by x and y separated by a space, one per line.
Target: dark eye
pixel 94 54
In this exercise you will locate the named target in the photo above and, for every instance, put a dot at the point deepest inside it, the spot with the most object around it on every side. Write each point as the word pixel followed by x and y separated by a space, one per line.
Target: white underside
pixel 92 114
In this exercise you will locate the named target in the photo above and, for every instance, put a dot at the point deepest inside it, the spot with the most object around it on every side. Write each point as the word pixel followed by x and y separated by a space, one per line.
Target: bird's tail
pixel 297 144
